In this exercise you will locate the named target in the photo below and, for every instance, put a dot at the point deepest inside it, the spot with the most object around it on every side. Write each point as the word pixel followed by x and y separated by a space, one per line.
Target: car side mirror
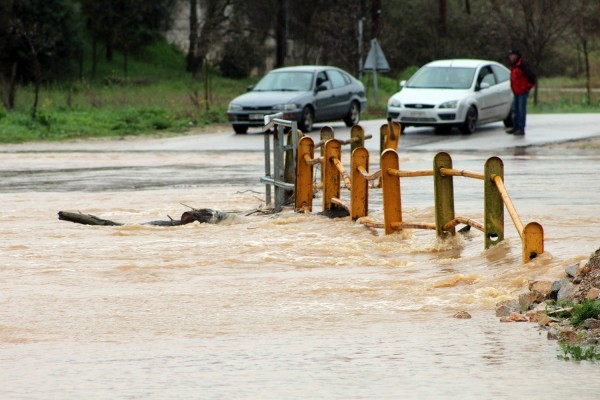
pixel 249 88
pixel 484 85
pixel 321 88
pixel 402 84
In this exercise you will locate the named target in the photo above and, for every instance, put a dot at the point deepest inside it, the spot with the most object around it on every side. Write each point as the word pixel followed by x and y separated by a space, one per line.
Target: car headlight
pixel 449 104
pixel 394 103
pixel 234 107
pixel 285 107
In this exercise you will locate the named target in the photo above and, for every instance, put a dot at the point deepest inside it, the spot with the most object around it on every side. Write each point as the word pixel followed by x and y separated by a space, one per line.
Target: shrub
pixel 587 309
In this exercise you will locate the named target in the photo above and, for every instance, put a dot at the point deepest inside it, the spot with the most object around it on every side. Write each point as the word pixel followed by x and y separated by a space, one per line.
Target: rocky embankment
pixel 556 306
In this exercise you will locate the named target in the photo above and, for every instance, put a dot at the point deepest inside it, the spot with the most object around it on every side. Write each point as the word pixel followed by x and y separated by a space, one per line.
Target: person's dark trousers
pixel 519 111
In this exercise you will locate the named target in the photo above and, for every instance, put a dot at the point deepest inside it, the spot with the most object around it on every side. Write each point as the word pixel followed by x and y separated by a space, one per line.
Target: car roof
pixel 460 62
pixel 306 68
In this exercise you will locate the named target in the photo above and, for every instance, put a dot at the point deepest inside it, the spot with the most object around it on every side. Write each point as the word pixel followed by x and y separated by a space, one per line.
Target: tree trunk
pixel 443 10
pixel 375 19
pixel 192 56
pixel 588 83
pixel 280 34
pixel 94 53
pixel 125 61
pixel 12 88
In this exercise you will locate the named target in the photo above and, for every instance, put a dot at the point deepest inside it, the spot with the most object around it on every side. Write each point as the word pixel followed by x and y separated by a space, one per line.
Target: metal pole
pixel 359 195
pixel 392 199
pixel 443 186
pixel 493 205
pixel 267 167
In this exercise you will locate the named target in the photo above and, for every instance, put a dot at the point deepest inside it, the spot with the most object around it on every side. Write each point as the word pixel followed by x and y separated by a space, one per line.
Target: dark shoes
pixel 513 131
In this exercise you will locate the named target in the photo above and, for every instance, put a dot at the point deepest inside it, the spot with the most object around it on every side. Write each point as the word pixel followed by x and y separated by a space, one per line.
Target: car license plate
pixel 417 113
pixel 255 117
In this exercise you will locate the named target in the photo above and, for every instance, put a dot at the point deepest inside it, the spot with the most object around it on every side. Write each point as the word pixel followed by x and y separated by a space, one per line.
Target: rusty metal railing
pixel 357 179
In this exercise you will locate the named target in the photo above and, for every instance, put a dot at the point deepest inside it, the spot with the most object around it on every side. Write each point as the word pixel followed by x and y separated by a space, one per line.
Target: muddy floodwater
pixel 284 306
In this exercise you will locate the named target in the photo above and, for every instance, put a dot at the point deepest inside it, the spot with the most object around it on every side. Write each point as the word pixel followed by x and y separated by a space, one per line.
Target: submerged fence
pixel 358 180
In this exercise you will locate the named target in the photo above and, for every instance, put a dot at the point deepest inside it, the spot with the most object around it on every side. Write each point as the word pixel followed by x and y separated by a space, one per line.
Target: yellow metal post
pixel 304 175
pixel 533 241
pixel 331 175
pixel 359 195
pixel 326 133
pixel 390 136
pixel 392 202
pixel 444 194
pixel 493 204
pixel 357 134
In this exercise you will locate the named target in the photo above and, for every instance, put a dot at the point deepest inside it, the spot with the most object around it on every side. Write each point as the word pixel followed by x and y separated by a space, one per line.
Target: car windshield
pixel 442 78
pixel 293 81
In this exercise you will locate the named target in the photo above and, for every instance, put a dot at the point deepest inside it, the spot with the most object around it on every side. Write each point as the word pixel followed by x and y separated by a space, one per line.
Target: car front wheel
pixel 306 122
pixel 240 128
pixel 353 116
pixel 470 123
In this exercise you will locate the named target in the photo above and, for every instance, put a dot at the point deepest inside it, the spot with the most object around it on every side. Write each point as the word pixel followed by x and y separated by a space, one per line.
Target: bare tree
pixel 586 33
pixel 206 31
pixel 536 26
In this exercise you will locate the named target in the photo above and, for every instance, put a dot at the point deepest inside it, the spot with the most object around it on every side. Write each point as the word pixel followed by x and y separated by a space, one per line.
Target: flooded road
pixel 273 306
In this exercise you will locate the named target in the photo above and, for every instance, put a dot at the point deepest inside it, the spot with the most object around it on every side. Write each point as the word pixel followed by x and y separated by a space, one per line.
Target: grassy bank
pixel 157 96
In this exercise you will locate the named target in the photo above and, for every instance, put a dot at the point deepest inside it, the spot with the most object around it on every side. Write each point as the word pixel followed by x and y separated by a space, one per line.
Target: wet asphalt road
pixel 541 129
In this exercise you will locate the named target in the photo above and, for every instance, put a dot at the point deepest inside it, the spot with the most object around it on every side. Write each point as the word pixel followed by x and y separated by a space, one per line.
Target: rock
pixel 568 336
pixel 566 291
pixel 594 261
pixel 541 288
pixel 504 308
pixel 591 323
pixel 552 333
pixel 572 270
pixel 514 317
pixel 542 318
pixel 556 285
pixel 525 301
pixel 462 315
pixel 593 294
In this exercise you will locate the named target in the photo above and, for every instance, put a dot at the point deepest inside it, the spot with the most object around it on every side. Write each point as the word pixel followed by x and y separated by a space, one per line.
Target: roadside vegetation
pixel 159 98
pixel 572 313
pixel 82 68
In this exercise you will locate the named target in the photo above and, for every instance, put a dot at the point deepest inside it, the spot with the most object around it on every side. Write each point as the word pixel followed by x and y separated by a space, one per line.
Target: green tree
pixel 41 39
pixel 125 25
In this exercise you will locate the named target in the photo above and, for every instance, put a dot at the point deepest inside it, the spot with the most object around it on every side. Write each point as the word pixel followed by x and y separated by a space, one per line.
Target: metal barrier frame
pixel 283 183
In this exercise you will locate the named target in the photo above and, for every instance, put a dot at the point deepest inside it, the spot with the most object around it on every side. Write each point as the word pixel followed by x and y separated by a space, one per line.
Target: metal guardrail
pixel 283 182
pixel 283 175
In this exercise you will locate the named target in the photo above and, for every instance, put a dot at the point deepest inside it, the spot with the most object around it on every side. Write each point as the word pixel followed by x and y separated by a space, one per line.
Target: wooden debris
pixel 203 215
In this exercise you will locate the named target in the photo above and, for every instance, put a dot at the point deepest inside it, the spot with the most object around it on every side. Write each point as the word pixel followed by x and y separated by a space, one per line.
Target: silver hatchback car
pixel 454 93
pixel 306 94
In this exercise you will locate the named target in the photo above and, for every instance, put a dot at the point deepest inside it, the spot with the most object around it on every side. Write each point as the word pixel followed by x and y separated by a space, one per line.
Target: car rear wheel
pixel 353 116
pixel 306 123
pixel 470 123
pixel 240 129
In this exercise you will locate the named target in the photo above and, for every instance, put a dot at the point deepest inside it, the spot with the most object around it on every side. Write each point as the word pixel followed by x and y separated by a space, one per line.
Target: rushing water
pixel 274 306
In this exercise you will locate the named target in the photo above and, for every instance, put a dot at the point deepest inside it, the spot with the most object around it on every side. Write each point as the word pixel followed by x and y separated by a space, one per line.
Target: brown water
pixel 273 306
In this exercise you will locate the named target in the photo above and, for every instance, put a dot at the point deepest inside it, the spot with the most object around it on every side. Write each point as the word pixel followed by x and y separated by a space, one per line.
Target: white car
pixel 454 93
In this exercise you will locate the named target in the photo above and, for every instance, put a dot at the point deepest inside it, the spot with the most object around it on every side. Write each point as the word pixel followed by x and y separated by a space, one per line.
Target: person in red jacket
pixel 522 79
